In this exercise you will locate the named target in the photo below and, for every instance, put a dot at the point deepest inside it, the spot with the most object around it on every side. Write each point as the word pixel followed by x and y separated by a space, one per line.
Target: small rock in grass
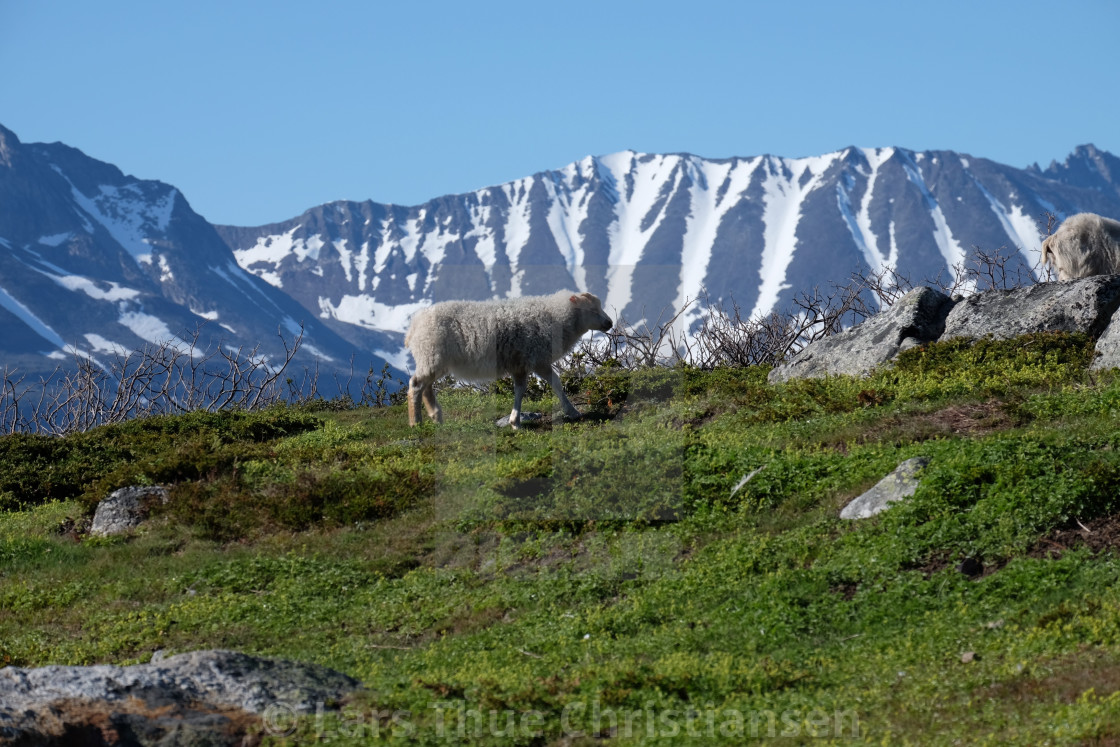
pixel 899 484
pixel 125 509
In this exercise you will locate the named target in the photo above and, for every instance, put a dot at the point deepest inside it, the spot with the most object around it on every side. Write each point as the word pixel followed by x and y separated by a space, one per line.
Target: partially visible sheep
pixel 485 340
pixel 1085 244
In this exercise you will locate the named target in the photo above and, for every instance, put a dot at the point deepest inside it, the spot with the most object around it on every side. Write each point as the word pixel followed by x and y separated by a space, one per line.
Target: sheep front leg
pixel 520 383
pixel 414 394
pixel 553 378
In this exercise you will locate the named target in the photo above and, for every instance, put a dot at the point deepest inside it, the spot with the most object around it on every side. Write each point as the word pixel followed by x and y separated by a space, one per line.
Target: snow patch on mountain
pixel 1019 227
pixel 567 212
pixel 1025 229
pixel 384 246
pixel 399 358
pixel 309 348
pixel 361 264
pixel 272 250
pixel 486 242
pixel 131 214
pixel 235 276
pixel 364 311
pixel 782 199
pixel 99 344
pixel 949 247
pixel 292 326
pixel 859 222
pixel 24 314
pixel 708 210
pixel 517 232
pixel 151 329
pixel 165 274
pixel 55 240
pixel 345 258
pixel 93 289
pixel 651 182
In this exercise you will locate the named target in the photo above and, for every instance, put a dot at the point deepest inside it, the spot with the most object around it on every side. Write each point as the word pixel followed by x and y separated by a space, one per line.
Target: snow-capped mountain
pixel 646 232
pixel 97 262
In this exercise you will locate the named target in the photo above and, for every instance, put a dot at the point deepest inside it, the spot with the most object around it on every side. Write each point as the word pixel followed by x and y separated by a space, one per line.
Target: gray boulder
pixel 916 318
pixel 1084 305
pixel 201 697
pixel 1108 345
pixel 125 509
pixel 899 484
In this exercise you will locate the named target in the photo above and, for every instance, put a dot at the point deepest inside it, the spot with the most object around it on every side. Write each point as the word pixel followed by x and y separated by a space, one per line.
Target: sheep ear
pixel 583 299
pixel 1046 250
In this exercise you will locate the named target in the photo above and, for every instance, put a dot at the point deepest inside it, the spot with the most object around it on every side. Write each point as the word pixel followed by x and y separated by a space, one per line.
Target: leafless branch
pixel 164 378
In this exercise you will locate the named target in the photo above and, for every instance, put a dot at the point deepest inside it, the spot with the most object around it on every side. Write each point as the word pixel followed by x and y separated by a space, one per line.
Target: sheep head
pixel 1049 257
pixel 590 310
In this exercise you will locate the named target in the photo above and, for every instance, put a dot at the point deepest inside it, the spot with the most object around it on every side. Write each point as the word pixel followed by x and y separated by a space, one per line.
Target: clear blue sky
pixel 259 110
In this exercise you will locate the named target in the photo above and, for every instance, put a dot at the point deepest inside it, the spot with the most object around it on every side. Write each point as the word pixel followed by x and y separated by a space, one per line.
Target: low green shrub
pixel 164 449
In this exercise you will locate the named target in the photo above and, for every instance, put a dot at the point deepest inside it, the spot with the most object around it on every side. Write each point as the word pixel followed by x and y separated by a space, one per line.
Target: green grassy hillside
pixel 616 576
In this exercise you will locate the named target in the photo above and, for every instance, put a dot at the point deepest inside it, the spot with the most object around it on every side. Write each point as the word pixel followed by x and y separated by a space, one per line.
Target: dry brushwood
pixel 161 379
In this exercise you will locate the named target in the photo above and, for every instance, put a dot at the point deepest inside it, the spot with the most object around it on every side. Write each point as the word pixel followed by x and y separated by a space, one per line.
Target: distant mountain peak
pixel 9 145
pixel 96 263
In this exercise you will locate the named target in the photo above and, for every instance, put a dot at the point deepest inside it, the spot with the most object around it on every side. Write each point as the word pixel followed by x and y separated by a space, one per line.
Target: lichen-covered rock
pixel 916 318
pixel 899 484
pixel 1084 305
pixel 201 697
pixel 125 509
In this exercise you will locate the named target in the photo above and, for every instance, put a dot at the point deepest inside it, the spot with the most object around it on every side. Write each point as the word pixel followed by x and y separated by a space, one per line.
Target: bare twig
pixel 165 378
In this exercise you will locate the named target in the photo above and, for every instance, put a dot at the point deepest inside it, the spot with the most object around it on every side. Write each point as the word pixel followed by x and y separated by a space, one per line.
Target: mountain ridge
pixel 650 231
pixel 97 263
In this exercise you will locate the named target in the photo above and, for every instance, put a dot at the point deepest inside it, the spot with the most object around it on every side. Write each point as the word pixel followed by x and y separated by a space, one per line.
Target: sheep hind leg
pixel 420 390
pixel 435 412
pixel 566 405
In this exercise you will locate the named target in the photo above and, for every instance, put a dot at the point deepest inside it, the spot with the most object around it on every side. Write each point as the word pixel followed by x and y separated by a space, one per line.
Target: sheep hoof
pixel 526 417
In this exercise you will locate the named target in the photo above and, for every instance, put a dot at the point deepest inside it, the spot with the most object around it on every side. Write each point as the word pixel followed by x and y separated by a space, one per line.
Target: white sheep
pixel 1085 244
pixel 485 340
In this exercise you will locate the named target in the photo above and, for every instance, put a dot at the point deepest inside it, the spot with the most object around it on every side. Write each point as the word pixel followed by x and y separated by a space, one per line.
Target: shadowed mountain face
pixel 96 262
pixel 99 262
pixel 646 232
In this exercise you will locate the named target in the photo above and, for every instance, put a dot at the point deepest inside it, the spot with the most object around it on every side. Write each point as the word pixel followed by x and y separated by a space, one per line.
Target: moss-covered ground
pixel 617 577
